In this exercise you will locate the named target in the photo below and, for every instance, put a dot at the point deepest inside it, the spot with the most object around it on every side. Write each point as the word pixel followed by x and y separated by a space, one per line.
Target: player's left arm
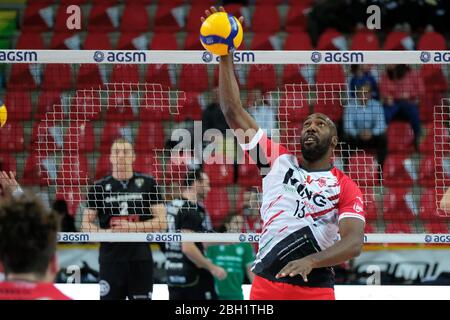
pixel 445 201
pixel 351 230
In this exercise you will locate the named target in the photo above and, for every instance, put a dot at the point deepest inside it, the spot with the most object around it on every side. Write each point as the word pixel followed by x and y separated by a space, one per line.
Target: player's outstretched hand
pixel 120 226
pixel 301 267
pixel 8 182
pixel 214 10
pixel 218 272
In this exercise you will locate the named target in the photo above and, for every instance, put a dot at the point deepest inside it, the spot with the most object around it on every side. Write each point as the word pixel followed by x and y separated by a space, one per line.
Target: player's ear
pixel 334 141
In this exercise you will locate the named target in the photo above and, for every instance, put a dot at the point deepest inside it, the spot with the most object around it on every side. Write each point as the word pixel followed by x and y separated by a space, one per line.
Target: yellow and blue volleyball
pixel 3 114
pixel 221 33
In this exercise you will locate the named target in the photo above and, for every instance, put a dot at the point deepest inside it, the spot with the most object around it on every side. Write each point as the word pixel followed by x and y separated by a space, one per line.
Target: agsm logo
pixel 316 57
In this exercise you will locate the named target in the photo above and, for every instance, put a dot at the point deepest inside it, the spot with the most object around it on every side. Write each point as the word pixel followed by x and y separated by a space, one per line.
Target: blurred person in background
pixel 125 201
pixel 190 275
pixel 361 75
pixel 236 259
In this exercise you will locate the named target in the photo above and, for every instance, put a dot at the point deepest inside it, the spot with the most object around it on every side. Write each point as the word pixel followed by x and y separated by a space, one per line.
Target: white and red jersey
pixel 22 290
pixel 300 210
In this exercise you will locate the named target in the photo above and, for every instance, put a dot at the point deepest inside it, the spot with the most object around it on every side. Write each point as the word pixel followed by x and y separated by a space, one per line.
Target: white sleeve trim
pixel 252 144
pixel 351 215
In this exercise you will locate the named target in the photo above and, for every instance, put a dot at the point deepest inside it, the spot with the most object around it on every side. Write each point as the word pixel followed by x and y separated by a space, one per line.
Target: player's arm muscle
pixel 88 223
pixel 230 102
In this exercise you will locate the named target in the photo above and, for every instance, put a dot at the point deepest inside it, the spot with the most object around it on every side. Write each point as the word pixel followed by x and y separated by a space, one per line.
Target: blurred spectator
pixel 364 122
pixel 400 90
pixel 236 259
pixel 362 75
pixel 67 220
pixel 262 111
pixel 213 117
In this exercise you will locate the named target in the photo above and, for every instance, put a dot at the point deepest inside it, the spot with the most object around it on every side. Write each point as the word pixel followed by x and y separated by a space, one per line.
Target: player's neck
pixel 122 174
pixel 190 195
pixel 321 164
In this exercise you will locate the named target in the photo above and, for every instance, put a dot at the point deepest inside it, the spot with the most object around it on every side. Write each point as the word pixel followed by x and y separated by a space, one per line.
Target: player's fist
pixel 218 272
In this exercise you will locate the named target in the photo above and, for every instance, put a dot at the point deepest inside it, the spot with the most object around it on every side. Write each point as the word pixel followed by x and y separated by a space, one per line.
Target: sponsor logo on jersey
pixel 139 182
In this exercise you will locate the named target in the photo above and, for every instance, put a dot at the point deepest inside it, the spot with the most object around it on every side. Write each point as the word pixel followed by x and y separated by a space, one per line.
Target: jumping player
pixel 304 204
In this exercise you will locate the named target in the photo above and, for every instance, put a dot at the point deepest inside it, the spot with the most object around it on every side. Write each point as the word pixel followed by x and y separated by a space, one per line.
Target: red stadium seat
pixel 370 228
pixel 46 102
pixel 260 21
pixel 398 205
pixel 395 171
pixel 298 41
pixel 104 17
pixel 436 138
pixel 220 174
pixel 19 105
pixel 436 227
pixel 120 107
pixel 427 171
pixel 169 18
pixel 47 135
pixel 331 39
pixel 193 22
pixel 73 171
pixel 30 40
pixel 159 73
pixel 150 136
pixel 12 137
pixel 133 41
pixel 38 16
pixel 89 77
pixel 23 76
pixel 192 42
pixel 193 77
pixel 363 169
pixel 164 41
pixel 432 41
pixel 293 107
pixel 398 40
pixel 79 136
pixel 189 107
pixel 112 131
pixel 122 73
pixel 86 106
pixel 97 41
pixel 297 17
pixel 428 207
pixel 146 163
pixel 155 104
pixel 436 85
pixel 135 18
pixel 370 204
pixel 35 172
pixel 262 77
pixel 295 73
pixel 65 41
pixel 365 40
pixel 248 175
pixel 217 205
pixel 265 41
pixel 57 77
pixel 398 227
pixel 73 196
pixel 330 79
pixel 7 163
pixel 400 137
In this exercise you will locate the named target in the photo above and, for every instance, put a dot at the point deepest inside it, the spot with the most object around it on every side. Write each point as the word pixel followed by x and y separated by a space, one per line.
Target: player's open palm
pixel 8 182
pixel 214 10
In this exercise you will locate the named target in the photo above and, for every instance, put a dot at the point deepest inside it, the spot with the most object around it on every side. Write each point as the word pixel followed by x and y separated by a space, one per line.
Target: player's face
pixel 122 154
pixel 236 224
pixel 316 138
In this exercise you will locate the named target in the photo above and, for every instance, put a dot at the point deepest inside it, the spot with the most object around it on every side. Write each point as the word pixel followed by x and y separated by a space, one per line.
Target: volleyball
pixel 3 114
pixel 221 33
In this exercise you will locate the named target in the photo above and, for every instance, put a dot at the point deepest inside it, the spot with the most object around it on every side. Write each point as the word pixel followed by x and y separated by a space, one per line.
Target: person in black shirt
pixel 125 201
pixel 190 275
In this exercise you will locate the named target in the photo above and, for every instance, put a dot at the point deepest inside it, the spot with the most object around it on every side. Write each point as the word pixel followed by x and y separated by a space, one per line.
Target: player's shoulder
pixel 344 180
pixel 139 175
pixel 104 180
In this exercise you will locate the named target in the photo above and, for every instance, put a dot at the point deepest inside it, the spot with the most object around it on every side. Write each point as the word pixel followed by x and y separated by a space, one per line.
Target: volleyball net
pixel 67 110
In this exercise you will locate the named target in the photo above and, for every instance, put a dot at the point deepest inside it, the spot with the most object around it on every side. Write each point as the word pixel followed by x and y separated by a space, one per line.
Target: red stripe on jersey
pixel 334 197
pixel 271 219
pixel 281 230
pixel 273 203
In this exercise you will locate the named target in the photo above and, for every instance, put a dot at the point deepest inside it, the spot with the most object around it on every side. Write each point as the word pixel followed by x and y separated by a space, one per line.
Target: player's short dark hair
pixel 28 235
pixel 122 140
pixel 194 173
pixel 223 225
